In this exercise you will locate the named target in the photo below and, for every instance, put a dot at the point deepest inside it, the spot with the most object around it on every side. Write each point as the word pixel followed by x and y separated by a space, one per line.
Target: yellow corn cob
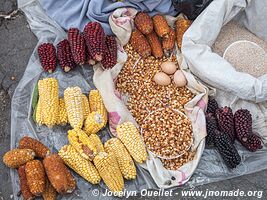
pixel 86 108
pixel 86 146
pixel 109 171
pixel 63 117
pixel 96 142
pixel 93 123
pixel 80 165
pixel 73 102
pixel 97 104
pixel 131 138
pixel 125 161
pixel 48 104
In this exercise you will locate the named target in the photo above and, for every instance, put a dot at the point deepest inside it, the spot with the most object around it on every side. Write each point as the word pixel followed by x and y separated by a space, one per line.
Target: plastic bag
pixel 191 8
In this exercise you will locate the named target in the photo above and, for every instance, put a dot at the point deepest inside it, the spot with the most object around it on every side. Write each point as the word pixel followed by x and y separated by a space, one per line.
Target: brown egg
pixel 168 67
pixel 162 79
pixel 179 79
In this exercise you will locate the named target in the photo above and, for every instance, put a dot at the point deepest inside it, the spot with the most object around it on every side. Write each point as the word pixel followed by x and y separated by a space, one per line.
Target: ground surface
pixel 17 43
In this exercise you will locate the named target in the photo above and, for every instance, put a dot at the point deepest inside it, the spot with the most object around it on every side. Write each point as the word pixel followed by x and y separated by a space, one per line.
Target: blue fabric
pixel 77 13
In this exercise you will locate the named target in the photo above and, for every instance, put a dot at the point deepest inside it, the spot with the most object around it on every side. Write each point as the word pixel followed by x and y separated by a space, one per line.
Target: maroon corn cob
pixel 110 56
pixel 47 56
pixel 89 57
pixel 64 55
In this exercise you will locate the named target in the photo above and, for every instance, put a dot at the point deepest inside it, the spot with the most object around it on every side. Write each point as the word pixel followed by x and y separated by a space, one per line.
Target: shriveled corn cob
pixel 24 188
pixel 50 193
pixel 109 171
pixel 80 165
pixel 168 43
pixel 17 157
pixel 131 138
pixel 48 104
pixel 30 143
pixel 93 123
pixel 58 174
pixel 125 161
pixel 181 26
pixel 161 26
pixel 35 175
pixel 96 104
pixel 63 117
pixel 86 107
pixel 155 44
pixel 74 106
pixel 82 143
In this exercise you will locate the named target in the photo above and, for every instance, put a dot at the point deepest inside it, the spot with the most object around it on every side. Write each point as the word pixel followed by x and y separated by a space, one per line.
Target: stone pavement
pixel 16 45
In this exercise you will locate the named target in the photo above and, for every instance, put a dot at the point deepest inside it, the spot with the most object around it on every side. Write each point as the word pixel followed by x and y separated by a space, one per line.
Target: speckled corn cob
pixel 125 161
pixel 96 104
pixel 30 143
pixel 17 157
pixel 140 43
pixel 86 107
pixel 24 188
pixel 155 45
pixel 168 43
pixel 63 117
pixel 161 26
pixel 59 175
pixel 80 165
pixel 81 142
pixel 181 26
pixel 48 102
pixel 74 106
pixel 50 193
pixel 35 175
pixel 109 171
pixel 93 123
pixel 131 138
pixel 143 22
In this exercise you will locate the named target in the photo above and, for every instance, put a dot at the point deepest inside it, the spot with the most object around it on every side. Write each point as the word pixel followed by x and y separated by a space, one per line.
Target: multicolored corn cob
pixel 64 55
pixel 74 106
pixel 24 188
pixel 80 165
pixel 140 43
pixel 47 56
pixel 50 193
pixel 161 26
pixel 63 117
pixel 17 157
pixel 143 22
pixel 86 107
pixel 181 26
pixel 94 123
pixel 131 138
pixel 77 45
pixel 155 45
pixel 125 161
pixel 59 175
pixel 110 57
pixel 109 171
pixel 168 43
pixel 30 143
pixel 35 175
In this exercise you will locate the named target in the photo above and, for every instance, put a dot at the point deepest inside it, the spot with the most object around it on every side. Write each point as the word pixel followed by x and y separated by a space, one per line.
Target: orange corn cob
pixel 181 25
pixel 50 193
pixel 168 43
pixel 140 43
pixel 25 190
pixel 155 45
pixel 143 22
pixel 161 26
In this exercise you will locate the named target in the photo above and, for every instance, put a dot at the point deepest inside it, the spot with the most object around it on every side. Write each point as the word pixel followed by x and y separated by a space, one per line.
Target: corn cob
pixel 38 115
pixel 168 43
pixel 47 56
pixel 93 123
pixel 63 117
pixel 125 161
pixel 161 26
pixel 109 171
pixel 131 138
pixel 74 106
pixel 50 193
pixel 30 143
pixel 17 157
pixel 35 175
pixel 48 102
pixel 181 25
pixel 155 45
pixel 97 142
pixel 24 188
pixel 140 43
pixel 143 22
pixel 80 165
pixel 110 57
pixel 97 104
pixel 64 56
pixel 86 107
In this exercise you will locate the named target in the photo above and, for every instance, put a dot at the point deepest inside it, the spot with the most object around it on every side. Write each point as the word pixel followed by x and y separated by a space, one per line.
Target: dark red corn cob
pixel 211 125
pixel 47 56
pixel 77 45
pixel 110 56
pixel 212 106
pixel 225 119
pixel 64 55
pixel 252 143
pixel 95 40
pixel 89 57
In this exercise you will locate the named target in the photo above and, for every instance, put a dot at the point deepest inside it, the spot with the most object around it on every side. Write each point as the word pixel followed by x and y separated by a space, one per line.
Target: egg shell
pixel 179 79
pixel 168 67
pixel 162 79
